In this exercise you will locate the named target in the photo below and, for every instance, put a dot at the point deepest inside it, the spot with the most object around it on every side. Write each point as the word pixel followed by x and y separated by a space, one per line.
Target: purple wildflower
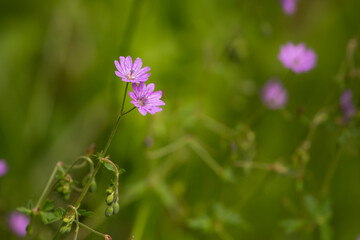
pixel 297 57
pixel 145 99
pixel 289 6
pixel 3 167
pixel 131 72
pixel 18 223
pixel 346 105
pixel 273 95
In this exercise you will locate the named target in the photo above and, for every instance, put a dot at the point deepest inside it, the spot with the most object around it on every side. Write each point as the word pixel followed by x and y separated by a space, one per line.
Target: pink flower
pixel 145 99
pixel 3 167
pixel 289 6
pixel 131 72
pixel 273 95
pixel 347 105
pixel 18 223
pixel 297 57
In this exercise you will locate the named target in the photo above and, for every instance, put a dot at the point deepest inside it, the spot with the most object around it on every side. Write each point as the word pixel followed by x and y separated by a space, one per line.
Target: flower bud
pixel 110 199
pixel 65 229
pixel 109 211
pixel 116 208
pixel 93 186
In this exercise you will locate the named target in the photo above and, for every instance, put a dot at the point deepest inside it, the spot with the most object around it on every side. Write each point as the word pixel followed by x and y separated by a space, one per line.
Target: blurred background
pixel 215 163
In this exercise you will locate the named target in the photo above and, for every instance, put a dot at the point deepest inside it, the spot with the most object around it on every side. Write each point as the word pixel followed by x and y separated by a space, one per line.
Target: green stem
pixel 77 221
pixel 103 153
pixel 331 171
pixel 42 198
pixel 92 230
pixel 86 188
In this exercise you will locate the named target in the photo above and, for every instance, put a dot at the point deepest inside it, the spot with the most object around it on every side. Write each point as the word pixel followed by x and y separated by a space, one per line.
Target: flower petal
pixel 137 64
pixel 142 111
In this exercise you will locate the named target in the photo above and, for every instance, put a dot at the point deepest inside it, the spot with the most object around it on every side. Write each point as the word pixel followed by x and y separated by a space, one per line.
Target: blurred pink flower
pixel 273 95
pixel 297 57
pixel 347 105
pixel 18 223
pixel 131 72
pixel 145 99
pixel 3 167
pixel 289 6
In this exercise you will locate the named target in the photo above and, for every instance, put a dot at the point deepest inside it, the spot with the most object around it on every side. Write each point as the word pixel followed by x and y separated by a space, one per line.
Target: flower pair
pixel 143 97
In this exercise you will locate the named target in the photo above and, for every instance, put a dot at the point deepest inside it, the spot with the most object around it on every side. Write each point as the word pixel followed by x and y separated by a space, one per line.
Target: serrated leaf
pixel 59 212
pixel 49 217
pixel 48 206
pixel 24 210
pixel 84 213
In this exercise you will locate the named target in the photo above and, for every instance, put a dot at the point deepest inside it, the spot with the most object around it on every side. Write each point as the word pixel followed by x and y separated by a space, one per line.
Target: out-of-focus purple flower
pixel 289 6
pixel 297 57
pixel 3 167
pixel 131 72
pixel 145 99
pixel 347 105
pixel 18 223
pixel 274 95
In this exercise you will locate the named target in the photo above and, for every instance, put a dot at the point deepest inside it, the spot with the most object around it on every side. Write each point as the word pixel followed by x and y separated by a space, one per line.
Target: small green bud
pixel 116 208
pixel 110 199
pixel 93 186
pixel 66 196
pixel 66 188
pixel 59 189
pixel 109 211
pixel 65 229
pixel 85 180
pixel 110 190
pixel 69 218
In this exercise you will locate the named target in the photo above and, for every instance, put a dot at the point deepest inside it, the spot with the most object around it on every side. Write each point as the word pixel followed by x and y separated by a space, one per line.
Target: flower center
pixel 131 76
pixel 141 101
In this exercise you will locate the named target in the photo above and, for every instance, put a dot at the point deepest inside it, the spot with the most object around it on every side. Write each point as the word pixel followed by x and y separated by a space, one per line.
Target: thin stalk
pixel 331 171
pixel 103 153
pixel 92 230
pixel 117 176
pixel 77 221
pixel 86 188
pixel 42 197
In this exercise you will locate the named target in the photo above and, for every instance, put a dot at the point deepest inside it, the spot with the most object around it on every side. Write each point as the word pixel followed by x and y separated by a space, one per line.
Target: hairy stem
pixel 92 230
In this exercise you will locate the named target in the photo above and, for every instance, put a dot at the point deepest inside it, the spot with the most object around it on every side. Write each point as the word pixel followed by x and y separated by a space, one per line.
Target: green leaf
pixel 203 223
pixel 110 167
pixel 49 217
pixel 61 169
pixel 24 210
pixel 83 212
pixel 292 225
pixel 48 206
pixel 225 215
pixel 59 212
pixel 29 204
pixel 312 206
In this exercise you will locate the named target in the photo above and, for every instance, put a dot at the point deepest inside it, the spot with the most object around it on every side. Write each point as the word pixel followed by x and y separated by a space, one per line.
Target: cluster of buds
pixel 67 222
pixel 93 185
pixel 111 200
pixel 65 186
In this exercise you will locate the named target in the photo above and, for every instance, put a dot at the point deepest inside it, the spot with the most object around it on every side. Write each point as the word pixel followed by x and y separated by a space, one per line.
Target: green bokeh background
pixel 59 94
